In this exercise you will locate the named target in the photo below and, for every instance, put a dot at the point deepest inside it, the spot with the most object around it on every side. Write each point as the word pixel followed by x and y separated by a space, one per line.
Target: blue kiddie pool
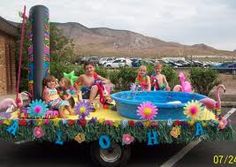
pixel 170 104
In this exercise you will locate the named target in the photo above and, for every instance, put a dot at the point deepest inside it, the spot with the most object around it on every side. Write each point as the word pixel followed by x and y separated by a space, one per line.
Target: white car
pixel 104 60
pixel 119 62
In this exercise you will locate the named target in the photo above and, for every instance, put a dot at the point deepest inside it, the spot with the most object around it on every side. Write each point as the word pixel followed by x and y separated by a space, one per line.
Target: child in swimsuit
pixel 143 80
pixel 159 81
pixel 52 98
pixel 87 82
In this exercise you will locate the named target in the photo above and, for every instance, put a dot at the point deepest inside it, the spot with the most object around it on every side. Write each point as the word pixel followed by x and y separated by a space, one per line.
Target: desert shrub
pixel 124 77
pixel 171 76
pixel 203 79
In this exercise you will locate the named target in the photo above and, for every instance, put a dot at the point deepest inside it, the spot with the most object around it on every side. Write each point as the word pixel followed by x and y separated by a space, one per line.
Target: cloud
pixel 189 22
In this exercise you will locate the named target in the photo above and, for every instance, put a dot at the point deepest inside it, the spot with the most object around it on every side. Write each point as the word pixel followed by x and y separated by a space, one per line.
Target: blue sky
pixel 185 21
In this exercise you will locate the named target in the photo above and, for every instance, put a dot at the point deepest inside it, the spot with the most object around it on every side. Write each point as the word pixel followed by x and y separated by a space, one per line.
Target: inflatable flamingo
pixel 212 104
pixel 186 85
pixel 8 104
pixel 177 88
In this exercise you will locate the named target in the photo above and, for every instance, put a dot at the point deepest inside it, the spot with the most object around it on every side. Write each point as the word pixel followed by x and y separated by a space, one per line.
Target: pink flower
pixel 38 132
pixel 108 122
pixel 37 109
pixel 127 139
pixel 147 111
pixel 193 109
pixel 222 123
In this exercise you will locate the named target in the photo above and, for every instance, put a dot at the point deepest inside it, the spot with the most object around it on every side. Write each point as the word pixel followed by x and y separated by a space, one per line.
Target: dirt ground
pixel 230 83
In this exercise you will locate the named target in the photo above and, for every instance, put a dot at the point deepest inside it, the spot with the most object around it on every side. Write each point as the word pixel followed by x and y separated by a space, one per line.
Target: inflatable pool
pixel 170 104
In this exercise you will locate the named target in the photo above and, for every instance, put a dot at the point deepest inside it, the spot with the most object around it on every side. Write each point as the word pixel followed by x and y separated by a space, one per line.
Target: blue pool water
pixel 170 104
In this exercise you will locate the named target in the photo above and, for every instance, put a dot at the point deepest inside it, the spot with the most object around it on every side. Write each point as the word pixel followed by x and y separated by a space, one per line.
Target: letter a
pixel 199 129
pixel 13 128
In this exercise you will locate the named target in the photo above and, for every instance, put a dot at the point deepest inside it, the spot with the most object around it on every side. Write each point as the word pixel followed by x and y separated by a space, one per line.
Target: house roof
pixel 8 27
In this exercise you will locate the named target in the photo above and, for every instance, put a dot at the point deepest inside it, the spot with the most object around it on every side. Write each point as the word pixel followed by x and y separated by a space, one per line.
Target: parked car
pixel 84 59
pixel 119 62
pixel 183 63
pixel 173 64
pixel 105 59
pixel 93 59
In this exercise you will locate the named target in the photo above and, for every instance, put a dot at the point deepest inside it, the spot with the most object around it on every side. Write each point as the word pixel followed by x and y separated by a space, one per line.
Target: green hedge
pixel 203 79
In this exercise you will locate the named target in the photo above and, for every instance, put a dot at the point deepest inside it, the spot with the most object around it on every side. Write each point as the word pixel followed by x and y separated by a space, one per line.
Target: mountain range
pixel 111 42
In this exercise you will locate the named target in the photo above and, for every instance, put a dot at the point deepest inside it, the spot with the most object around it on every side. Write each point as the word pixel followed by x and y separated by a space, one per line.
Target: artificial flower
pixel 124 123
pixel 39 122
pixel 169 122
pixel 177 123
pixel 127 139
pixel 92 121
pixel 146 124
pixel 83 108
pixel 154 124
pixel 131 123
pixel 37 108
pixel 7 122
pixel 56 121
pixel 175 132
pixel 70 122
pixel 46 121
pixel 147 111
pixel 191 122
pixel 101 120
pixel 82 122
pixel 80 137
pixel 38 132
pixel 139 124
pixel 222 123
pixel 108 122
pixel 193 109
pixel 22 122
pixel 116 124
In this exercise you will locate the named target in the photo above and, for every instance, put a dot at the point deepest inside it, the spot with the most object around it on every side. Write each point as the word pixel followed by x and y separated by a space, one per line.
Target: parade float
pixel 153 118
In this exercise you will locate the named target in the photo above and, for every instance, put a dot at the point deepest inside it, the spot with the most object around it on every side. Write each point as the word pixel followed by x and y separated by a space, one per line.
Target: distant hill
pixel 111 42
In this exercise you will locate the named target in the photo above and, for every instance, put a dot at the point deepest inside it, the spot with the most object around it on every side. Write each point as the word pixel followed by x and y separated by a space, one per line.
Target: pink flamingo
pixel 212 104
pixel 8 104
pixel 177 88
pixel 185 86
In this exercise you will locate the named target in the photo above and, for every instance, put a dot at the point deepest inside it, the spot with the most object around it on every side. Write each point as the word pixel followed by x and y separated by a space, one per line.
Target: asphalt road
pixel 73 154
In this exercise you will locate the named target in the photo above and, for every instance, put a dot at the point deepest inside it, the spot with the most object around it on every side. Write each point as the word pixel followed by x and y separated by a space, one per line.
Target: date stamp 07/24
pixel 224 159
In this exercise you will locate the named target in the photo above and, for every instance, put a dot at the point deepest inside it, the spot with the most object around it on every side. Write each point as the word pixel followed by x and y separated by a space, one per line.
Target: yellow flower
pixel 56 121
pixel 101 120
pixel 116 124
pixel 39 122
pixel 175 132
pixel 7 122
pixel 193 109
pixel 191 122
pixel 80 137
pixel 147 124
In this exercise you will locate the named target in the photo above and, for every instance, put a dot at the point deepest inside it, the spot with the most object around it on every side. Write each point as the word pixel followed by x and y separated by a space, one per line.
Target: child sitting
pixel 66 91
pixel 159 81
pixel 143 80
pixel 52 98
pixel 90 83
